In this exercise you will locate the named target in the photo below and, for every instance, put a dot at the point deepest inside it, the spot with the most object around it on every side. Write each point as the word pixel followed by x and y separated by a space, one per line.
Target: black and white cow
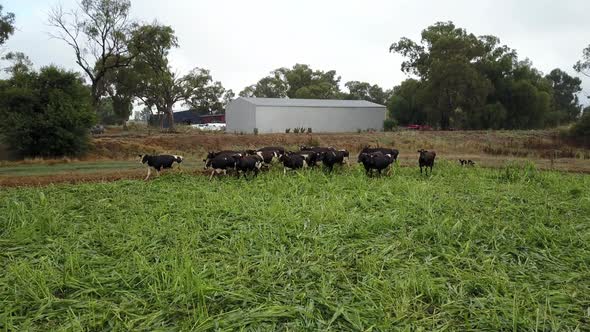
pixel 393 152
pixel 292 162
pixel 331 158
pixel 345 156
pixel 245 164
pixel 278 149
pixel 266 155
pixel 212 154
pixel 221 163
pixel 159 162
pixel 311 157
pixel 467 162
pixel 376 161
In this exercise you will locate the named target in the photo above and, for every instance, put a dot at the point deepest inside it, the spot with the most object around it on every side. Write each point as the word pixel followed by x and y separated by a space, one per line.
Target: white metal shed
pixel 274 115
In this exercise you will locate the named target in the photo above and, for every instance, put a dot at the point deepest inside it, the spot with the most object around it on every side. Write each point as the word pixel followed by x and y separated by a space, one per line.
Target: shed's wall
pixel 240 116
pixel 272 119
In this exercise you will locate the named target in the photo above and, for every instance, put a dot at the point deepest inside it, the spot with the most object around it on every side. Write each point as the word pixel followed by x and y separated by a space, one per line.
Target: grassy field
pixel 463 249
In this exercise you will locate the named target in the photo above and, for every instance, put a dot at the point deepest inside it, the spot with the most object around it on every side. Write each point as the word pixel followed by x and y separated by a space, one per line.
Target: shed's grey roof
pixel 335 103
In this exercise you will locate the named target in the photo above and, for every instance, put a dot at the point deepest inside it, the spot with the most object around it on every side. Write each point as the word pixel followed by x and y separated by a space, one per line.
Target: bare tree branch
pixel 98 33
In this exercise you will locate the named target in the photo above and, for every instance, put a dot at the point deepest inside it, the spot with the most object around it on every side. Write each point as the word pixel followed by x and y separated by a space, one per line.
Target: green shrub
pixel 46 114
pixel 389 124
pixel 296 130
pixel 309 130
pixel 255 131
pixel 313 142
pixel 581 129
pixel 288 130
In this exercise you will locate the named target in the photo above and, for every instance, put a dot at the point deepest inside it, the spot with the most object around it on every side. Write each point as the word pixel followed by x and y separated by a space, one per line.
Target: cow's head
pixel 143 158
pixel 364 157
pixel 320 156
pixel 210 155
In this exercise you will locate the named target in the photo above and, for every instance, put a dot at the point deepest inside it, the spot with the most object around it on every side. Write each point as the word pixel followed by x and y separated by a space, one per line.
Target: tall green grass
pixel 463 249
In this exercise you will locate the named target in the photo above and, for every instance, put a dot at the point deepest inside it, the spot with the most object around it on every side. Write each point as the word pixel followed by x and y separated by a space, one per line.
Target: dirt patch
pixel 77 178
pixel 71 178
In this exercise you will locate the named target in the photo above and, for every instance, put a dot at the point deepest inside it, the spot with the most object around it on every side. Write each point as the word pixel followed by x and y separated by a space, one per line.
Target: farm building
pixel 187 117
pixel 274 115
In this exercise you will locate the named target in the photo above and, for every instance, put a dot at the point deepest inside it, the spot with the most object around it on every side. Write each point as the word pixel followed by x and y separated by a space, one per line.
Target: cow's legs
pixel 211 177
pixel 148 173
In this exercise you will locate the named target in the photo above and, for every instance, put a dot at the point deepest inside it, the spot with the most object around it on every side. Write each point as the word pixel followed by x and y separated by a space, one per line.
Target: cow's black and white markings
pixel 393 152
pixel 292 161
pixel 278 149
pixel 266 155
pixel 346 156
pixel 376 161
pixel 159 162
pixel 311 157
pixel 426 160
pixel 213 154
pixel 466 162
pixel 331 158
pixel 246 164
pixel 221 163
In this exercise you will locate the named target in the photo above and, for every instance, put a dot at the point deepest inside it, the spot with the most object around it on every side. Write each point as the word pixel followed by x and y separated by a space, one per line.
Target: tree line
pixel 474 82
pixel 457 80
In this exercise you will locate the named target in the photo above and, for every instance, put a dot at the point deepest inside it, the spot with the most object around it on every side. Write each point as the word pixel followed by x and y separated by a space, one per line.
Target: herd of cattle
pixel 252 161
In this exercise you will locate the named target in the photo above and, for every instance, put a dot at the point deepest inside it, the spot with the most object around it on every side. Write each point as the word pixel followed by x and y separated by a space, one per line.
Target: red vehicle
pixel 418 127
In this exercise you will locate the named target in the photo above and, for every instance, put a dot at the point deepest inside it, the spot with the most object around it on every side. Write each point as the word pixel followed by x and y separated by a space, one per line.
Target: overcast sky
pixel 242 41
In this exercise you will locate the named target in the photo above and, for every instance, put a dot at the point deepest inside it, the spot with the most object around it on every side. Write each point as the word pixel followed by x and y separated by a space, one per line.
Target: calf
pixel 426 159
pixel 331 158
pixel 468 162
pixel 393 152
pixel 376 161
pixel 220 164
pixel 159 162
pixel 245 164
pixel 292 162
